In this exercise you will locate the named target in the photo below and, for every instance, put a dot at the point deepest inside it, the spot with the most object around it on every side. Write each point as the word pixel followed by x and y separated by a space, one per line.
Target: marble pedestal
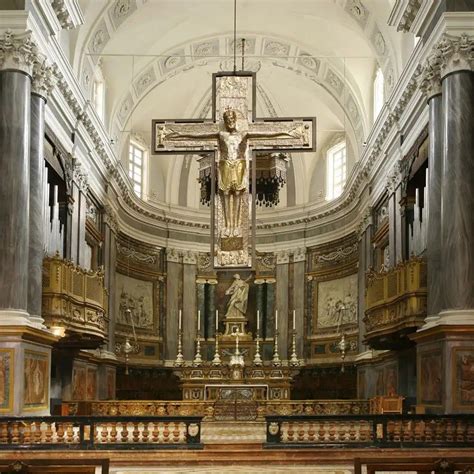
pixel 25 367
pixel 445 368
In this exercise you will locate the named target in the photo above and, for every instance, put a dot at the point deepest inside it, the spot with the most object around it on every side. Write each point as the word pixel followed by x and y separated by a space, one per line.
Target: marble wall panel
pixel 431 378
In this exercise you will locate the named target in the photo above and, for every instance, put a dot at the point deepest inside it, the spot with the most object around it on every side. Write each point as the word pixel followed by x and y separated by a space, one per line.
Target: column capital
pixel 365 221
pixel 110 218
pixel 430 78
pixel 190 257
pixel 18 51
pixel 80 177
pixel 394 177
pixel 456 53
pixel 44 77
pixel 299 254
pixel 282 257
pixel 173 255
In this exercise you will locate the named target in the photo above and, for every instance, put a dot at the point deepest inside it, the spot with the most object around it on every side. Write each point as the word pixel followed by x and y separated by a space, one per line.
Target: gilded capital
pixel 18 51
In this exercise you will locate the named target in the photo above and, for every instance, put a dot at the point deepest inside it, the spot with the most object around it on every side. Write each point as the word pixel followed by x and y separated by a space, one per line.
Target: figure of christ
pixel 233 162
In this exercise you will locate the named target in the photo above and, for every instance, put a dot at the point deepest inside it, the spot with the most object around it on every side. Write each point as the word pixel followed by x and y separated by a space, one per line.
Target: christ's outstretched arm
pixel 164 133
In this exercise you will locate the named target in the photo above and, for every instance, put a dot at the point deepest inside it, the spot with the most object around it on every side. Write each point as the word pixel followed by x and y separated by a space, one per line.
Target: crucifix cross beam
pixel 233 136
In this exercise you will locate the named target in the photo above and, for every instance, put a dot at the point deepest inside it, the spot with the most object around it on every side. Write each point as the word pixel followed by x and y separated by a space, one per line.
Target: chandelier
pixel 270 177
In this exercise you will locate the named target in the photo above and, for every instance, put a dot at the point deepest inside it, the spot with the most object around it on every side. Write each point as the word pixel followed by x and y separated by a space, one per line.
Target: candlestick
pixel 199 320
pixel 294 320
pixel 276 320
pixel 294 361
pixel 276 357
pixel 179 320
pixel 197 358
pixel 217 322
pixel 217 357
pixel 179 356
pixel 257 360
pixel 258 320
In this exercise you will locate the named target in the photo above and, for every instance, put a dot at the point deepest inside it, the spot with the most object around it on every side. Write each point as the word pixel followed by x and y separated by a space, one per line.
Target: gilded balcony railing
pixel 395 303
pixel 74 302
pixel 209 410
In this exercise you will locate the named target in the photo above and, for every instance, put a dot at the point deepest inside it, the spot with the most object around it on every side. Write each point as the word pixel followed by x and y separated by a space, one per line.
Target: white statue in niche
pixel 239 291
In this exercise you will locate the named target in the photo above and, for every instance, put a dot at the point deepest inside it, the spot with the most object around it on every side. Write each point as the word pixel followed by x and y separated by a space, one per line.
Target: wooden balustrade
pixel 99 432
pixel 395 303
pixel 74 302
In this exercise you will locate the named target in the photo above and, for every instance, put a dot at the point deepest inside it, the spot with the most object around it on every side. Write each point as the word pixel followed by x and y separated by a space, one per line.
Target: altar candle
pixel 294 320
pixel 258 319
pixel 179 320
pixel 217 320
pixel 276 320
pixel 199 320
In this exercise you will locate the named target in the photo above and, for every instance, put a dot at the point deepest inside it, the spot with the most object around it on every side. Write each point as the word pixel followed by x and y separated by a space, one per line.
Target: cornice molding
pixel 404 13
pixel 68 13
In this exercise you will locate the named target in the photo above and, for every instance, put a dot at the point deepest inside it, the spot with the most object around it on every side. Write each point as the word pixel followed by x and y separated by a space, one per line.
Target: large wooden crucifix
pixel 233 136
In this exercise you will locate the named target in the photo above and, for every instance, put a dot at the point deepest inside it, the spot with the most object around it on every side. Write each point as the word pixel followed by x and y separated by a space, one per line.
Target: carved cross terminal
pixel 233 136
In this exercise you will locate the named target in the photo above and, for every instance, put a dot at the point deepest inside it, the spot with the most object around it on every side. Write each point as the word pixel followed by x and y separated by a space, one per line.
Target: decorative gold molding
pixel 395 299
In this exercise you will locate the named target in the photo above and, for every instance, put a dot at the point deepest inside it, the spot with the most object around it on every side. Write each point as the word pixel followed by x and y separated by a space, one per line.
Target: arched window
pixel 336 164
pixel 137 167
pixel 378 93
pixel 98 93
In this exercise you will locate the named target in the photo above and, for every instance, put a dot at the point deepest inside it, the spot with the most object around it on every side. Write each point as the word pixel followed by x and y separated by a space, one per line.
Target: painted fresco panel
pixel 36 391
pixel 430 378
pixel 110 380
pixel 463 374
pixel 6 379
pixel 91 391
pixel 79 383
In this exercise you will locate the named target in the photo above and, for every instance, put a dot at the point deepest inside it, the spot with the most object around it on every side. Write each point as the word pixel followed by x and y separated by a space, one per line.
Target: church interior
pixel 237 235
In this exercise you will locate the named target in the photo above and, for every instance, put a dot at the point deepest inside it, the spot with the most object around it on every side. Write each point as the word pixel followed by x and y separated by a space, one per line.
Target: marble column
pixel 110 263
pixel 42 85
pixel 282 278
pixel 201 305
pixel 259 300
pixel 365 261
pixel 430 84
pixel 270 311
pixel 173 304
pixel 189 305
pixel 457 216
pixel 212 303
pixel 392 224
pixel 299 260
pixel 16 61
